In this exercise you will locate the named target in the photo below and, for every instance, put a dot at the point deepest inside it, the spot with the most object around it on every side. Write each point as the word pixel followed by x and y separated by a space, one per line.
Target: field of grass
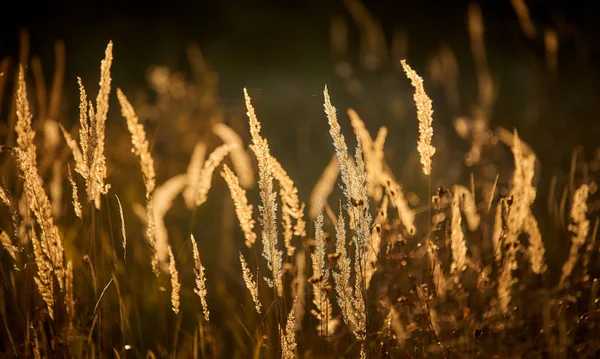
pixel 165 225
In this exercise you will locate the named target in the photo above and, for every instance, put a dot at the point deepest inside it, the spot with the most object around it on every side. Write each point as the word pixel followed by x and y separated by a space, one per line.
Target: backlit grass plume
pixel 425 117
pixel 90 160
pixel 268 197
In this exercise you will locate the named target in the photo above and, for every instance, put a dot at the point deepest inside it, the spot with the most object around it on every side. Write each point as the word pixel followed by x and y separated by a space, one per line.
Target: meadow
pixel 169 226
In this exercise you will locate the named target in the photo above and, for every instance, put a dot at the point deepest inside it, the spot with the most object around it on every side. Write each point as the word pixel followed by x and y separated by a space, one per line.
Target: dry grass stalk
pixel 268 198
pixel 76 203
pixel 425 117
pixel 250 283
pixel 320 279
pixel 354 179
pixel 123 232
pixel 288 338
pixel 69 301
pixel 48 250
pixel 199 270
pixel 243 210
pixel 160 202
pixel 579 228
pixel 213 161
pixel 90 161
pixel 240 159
pixel 175 286
pixel 291 208
pixel 324 186
pixel 299 289
pixel 193 174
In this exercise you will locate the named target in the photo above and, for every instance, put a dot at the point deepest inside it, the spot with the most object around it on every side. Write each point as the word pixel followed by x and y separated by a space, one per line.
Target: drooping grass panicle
pixel 243 210
pixel 194 171
pixel 239 157
pixel 250 283
pixel 199 270
pixel 268 198
pixel 157 207
pixel 425 117
pixel 213 161
pixel 175 286
pixel 140 144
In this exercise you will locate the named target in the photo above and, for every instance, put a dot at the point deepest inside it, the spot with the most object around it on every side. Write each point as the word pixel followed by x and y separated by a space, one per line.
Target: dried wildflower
pixel 239 157
pixel 288 338
pixel 579 228
pixel 268 198
pixel 194 171
pixel 200 289
pixel 250 283
pixel 76 203
pixel 214 159
pixel 324 186
pixel 425 117
pixel 243 210
pixel 175 286
pixel 291 208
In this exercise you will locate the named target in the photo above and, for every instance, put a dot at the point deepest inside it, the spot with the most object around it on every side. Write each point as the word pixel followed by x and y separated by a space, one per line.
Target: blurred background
pixel 285 52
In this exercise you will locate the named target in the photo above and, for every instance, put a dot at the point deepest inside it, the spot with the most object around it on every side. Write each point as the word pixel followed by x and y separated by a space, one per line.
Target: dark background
pixel 281 50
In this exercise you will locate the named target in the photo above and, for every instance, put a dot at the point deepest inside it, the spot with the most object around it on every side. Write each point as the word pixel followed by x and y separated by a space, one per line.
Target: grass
pixel 100 257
